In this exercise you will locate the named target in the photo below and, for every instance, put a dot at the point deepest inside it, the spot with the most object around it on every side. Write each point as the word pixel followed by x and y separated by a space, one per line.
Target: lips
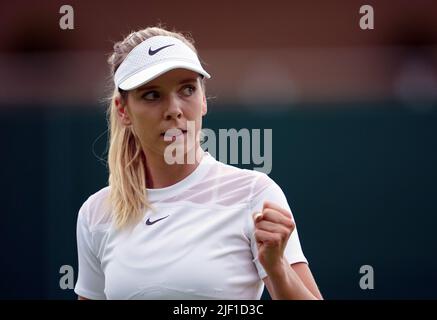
pixel 174 132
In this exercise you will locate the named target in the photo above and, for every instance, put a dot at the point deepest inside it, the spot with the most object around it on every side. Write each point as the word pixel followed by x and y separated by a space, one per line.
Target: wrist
pixel 278 269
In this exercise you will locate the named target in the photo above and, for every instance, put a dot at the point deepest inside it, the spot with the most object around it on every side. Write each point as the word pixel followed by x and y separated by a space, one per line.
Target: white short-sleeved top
pixel 197 242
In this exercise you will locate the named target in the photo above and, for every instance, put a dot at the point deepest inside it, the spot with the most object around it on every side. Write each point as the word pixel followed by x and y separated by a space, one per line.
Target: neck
pixel 161 175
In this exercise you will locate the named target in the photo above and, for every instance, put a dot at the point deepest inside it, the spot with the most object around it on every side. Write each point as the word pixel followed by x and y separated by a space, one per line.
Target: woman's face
pixel 167 102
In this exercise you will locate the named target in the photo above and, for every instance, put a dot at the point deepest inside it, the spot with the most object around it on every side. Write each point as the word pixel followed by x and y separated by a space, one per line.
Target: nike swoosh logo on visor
pixel 152 52
pixel 149 223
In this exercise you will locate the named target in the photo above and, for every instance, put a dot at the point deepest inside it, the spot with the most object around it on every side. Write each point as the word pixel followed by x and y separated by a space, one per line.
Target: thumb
pixel 257 216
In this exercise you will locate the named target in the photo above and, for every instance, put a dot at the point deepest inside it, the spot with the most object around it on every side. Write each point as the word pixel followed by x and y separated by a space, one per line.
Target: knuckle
pixel 288 214
pixel 290 224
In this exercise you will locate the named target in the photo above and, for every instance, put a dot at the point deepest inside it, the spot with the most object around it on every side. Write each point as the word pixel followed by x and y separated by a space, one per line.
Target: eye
pixel 188 90
pixel 150 96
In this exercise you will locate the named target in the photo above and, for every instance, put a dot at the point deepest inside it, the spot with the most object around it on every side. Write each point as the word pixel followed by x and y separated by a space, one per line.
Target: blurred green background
pixel 360 181
pixel 353 115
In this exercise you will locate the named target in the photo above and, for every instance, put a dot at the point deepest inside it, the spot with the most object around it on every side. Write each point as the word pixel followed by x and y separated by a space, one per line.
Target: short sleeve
pixel 91 280
pixel 293 251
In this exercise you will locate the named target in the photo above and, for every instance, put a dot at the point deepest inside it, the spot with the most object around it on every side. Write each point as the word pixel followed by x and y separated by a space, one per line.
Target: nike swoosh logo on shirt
pixel 152 52
pixel 149 223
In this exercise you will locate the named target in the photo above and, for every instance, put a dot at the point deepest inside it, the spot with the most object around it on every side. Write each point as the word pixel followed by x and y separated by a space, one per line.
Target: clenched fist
pixel 273 227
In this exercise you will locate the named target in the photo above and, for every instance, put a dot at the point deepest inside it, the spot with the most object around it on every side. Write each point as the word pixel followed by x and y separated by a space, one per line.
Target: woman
pixel 195 229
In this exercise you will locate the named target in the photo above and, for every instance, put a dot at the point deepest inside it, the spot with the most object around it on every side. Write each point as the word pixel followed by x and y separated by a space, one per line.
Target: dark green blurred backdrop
pixel 360 179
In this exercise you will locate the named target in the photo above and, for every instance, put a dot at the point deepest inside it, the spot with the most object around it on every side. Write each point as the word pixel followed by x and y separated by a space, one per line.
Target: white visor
pixel 154 57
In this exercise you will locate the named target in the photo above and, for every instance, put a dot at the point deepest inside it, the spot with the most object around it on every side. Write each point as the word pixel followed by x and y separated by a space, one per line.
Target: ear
pixel 122 110
pixel 204 105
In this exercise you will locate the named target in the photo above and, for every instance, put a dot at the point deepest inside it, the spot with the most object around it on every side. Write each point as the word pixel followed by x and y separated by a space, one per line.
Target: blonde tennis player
pixel 199 230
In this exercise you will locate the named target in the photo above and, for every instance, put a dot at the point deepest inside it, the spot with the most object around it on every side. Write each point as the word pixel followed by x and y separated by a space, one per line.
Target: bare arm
pixel 292 282
pixel 273 227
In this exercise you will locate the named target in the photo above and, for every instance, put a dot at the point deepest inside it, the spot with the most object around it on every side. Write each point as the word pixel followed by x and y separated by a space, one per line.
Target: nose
pixel 174 110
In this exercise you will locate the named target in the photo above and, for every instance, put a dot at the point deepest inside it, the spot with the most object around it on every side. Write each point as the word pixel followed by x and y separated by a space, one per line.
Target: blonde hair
pixel 126 159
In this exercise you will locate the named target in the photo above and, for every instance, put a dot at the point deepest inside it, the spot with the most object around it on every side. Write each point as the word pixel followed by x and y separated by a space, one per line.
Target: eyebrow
pixel 188 80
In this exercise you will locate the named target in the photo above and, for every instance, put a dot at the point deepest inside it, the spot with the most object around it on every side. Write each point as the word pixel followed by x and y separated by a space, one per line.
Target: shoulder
pixel 230 171
pixel 242 183
pixel 96 210
pixel 249 186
